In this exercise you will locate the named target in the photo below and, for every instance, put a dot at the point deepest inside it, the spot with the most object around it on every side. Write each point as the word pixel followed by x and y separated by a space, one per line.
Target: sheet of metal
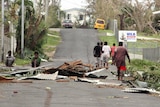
pixel 42 76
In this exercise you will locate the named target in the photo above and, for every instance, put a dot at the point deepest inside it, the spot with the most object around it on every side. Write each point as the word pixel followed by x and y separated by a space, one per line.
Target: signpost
pixel 129 36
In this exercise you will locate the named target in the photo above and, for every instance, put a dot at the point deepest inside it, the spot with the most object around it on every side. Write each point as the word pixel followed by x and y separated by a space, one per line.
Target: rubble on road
pixel 78 72
pixel 12 80
pixel 63 80
pixel 41 76
pixel 140 90
pixel 29 71
pixel 73 68
pixel 99 73
pixel 88 80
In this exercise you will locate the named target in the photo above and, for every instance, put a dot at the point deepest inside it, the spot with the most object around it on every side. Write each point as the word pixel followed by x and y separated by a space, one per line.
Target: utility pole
pixel 2 33
pixel 59 13
pixel 22 30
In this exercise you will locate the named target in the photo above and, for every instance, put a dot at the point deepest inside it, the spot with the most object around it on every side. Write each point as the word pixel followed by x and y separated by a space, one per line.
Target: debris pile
pixel 78 72
pixel 74 68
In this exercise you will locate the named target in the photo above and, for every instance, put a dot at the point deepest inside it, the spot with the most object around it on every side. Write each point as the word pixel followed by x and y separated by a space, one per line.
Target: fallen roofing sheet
pixel 88 80
pixel 31 70
pixel 140 90
pixel 12 80
pixel 95 71
pixel 42 76
pixel 108 83
pixel 142 84
pixel 101 73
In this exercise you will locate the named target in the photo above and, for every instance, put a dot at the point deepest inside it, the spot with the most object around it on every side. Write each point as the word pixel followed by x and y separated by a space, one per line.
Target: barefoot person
pixel 119 59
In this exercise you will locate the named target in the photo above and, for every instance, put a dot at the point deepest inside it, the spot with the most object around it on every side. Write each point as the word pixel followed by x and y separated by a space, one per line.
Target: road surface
pixel 76 44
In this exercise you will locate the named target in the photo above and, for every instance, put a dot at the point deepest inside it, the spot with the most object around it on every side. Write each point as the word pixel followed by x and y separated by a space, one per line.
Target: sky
pixel 68 4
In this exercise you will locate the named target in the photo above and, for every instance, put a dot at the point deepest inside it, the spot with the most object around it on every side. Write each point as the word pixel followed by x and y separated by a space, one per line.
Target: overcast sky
pixel 68 4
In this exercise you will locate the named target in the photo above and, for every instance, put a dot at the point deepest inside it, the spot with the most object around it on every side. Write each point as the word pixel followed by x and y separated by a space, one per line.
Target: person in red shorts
pixel 119 60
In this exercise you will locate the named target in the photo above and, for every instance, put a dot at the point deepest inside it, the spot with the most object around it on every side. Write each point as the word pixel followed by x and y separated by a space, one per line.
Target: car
pixel 67 24
pixel 99 24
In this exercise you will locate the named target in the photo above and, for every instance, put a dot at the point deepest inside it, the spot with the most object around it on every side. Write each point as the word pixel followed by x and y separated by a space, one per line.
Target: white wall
pixel 75 15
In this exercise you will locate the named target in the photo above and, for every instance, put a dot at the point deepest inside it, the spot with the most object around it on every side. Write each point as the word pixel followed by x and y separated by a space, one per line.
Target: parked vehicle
pixel 99 24
pixel 67 24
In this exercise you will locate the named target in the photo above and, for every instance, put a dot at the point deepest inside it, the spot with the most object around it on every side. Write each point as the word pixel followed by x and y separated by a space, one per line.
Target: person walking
pixel 106 54
pixel 119 59
pixel 113 47
pixel 97 54
pixel 36 60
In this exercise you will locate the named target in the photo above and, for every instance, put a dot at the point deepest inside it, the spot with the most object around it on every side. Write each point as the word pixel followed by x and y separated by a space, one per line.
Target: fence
pixel 152 54
pixel 147 51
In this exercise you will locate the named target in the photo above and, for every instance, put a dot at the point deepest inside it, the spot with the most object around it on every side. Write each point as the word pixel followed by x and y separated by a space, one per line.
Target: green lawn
pixel 151 69
pixel 19 61
pixel 50 42
pixel 138 44
pixel 149 35
pixel 109 39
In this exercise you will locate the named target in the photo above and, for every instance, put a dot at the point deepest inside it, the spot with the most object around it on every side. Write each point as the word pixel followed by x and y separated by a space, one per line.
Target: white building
pixel 78 16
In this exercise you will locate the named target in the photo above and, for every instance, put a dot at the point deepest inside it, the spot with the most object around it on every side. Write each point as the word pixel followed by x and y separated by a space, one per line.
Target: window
pixel 100 21
pixel 80 17
pixel 68 16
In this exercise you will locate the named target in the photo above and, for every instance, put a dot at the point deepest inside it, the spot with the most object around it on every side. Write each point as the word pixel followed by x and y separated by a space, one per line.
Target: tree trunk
pixel 121 21
pixel 152 28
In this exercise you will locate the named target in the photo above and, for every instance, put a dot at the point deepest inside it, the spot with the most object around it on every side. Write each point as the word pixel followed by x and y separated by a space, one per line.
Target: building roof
pixel 75 9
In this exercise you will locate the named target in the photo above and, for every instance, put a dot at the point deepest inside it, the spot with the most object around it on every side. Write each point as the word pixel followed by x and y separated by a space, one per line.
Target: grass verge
pixel 50 42
pixel 19 61
pixel 151 69
pixel 109 39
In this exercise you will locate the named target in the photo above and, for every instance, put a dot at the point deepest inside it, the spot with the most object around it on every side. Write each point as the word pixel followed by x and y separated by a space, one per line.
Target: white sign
pixel 129 36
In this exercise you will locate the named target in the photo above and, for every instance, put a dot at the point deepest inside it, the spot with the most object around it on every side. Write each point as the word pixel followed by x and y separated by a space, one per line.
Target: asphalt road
pixel 76 44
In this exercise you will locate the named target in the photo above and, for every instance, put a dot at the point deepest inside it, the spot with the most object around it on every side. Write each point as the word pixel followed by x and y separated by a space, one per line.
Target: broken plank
pixel 73 63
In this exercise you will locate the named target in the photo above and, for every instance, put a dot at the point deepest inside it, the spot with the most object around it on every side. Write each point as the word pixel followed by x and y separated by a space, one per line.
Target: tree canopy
pixel 131 14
